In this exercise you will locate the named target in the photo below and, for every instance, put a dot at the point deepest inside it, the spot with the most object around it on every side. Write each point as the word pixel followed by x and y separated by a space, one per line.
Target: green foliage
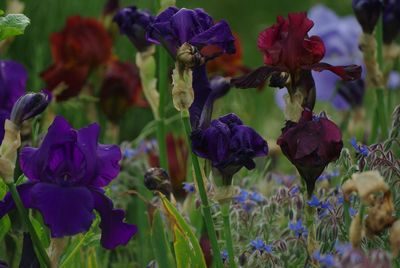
pixel 12 24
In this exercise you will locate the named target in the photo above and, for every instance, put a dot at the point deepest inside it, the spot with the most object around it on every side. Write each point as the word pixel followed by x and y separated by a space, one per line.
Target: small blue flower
pixel 298 228
pixel 189 187
pixel 224 255
pixel 294 190
pixel 314 202
pixel 258 244
pixel 342 248
pixel 268 249
pixel 361 149
pixel 328 175
pixel 257 197
pixel 326 260
pixel 248 205
pixel 242 196
pixel 352 212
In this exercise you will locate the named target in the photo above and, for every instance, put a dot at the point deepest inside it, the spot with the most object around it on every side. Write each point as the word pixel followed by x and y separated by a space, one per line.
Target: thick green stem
pixel 312 243
pixel 227 233
pixel 380 105
pixel 163 90
pixel 41 252
pixel 203 195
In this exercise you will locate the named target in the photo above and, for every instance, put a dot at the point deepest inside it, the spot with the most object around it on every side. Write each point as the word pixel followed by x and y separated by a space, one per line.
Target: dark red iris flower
pixel 311 144
pixel 121 88
pixel 82 45
pixel 288 49
pixel 178 153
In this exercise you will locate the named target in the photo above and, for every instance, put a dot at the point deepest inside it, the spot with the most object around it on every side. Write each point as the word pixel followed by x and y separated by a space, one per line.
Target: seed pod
pixel 157 179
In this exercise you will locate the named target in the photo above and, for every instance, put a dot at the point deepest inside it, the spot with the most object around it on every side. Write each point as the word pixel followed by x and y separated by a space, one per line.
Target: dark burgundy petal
pixel 254 78
pixel 66 210
pixel 347 73
pixel 114 231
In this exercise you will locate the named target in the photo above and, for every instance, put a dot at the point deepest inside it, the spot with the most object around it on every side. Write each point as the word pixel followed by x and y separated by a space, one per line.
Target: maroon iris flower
pixel 121 88
pixel 290 54
pixel 311 144
pixel 66 176
pixel 81 46
pixel 229 144
pixel 13 77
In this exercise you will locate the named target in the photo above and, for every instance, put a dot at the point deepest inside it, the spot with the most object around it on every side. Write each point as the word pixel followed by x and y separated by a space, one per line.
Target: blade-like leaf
pixel 161 247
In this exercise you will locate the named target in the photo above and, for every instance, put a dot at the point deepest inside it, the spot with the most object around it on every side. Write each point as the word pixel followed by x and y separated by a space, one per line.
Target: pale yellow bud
pixel 356 231
pixel 293 107
pixel 182 91
pixel 8 151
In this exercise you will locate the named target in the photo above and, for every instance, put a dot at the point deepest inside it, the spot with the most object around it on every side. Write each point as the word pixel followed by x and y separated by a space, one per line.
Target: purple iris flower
pixel 175 26
pixel 66 176
pixel 340 36
pixel 13 77
pixel 133 23
pixel 229 145
pixel 391 20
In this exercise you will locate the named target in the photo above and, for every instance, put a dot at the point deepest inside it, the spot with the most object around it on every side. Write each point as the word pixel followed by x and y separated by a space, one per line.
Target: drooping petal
pixel 115 232
pixel 245 137
pixel 347 73
pixel 255 78
pixel 108 157
pixel 66 210
pixel 7 204
pixel 201 88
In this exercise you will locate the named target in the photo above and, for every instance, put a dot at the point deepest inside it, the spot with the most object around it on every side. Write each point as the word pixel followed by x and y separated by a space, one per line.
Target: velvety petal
pixel 245 138
pixel 66 210
pixel 255 78
pixel 114 231
pixel 220 35
pixel 74 79
pixel 202 90
pixel 33 161
pixel 7 204
pixel 13 78
pixel 325 84
pixel 231 120
pixel 108 157
pixel 348 73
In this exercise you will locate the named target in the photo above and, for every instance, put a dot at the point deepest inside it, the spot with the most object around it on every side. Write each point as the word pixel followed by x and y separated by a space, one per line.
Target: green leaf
pixel 1 12
pixel 5 225
pixel 161 247
pixel 13 24
pixel 185 241
pixel 41 231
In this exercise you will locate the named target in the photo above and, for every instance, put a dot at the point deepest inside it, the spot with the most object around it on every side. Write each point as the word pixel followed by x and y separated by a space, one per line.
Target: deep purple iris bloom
pixel 391 20
pixel 367 13
pixel 133 22
pixel 229 145
pixel 340 36
pixel 66 175
pixel 13 77
pixel 175 26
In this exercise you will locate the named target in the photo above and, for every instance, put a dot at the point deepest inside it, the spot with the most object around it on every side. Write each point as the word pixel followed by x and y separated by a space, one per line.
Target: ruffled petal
pixel 33 161
pixel 66 210
pixel 115 232
pixel 107 164
pixel 246 139
pixel 347 73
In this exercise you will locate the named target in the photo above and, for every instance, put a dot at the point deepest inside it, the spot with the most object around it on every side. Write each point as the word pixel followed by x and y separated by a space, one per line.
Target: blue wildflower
pixel 314 202
pixel 361 149
pixel 242 196
pixel 258 244
pixel 294 190
pixel 224 255
pixel 326 260
pixel 268 249
pixel 352 212
pixel 189 187
pixel 328 175
pixel 257 197
pixel 342 248
pixel 298 228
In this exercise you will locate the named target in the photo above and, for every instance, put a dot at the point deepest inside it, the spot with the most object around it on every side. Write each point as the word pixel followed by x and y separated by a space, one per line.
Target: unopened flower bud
pixel 189 56
pixel 367 13
pixel 28 106
pixel 182 91
pixel 157 179
pixel 8 151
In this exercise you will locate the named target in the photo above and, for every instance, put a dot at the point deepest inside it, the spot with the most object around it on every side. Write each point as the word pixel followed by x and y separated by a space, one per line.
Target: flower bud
pixel 367 13
pixel 8 151
pixel 182 91
pixel 189 56
pixel 28 106
pixel 391 21
pixel 157 179
pixel 356 231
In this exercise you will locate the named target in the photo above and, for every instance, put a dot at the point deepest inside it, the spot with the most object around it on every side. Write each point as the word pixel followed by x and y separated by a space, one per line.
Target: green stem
pixel 347 218
pixel 25 218
pixel 203 195
pixel 312 243
pixel 380 105
pixel 162 89
pixel 227 233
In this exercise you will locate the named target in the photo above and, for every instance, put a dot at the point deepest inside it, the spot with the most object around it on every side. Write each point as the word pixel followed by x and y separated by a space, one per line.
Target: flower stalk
pixel 206 209
pixel 227 233
pixel 162 89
